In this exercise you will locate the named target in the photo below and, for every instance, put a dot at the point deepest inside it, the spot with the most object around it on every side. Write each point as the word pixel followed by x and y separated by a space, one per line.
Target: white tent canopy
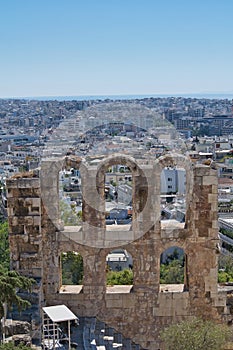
pixel 59 313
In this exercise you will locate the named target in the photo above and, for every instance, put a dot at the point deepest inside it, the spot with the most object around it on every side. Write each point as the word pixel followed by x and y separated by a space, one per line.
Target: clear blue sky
pixel 105 47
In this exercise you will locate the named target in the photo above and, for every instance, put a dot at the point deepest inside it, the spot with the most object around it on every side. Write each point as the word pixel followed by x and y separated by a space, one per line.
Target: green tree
pixel 10 283
pixel 68 214
pixel 172 272
pixel 225 269
pixel 11 346
pixel 124 277
pixel 4 245
pixel 172 268
pixel 72 268
pixel 195 334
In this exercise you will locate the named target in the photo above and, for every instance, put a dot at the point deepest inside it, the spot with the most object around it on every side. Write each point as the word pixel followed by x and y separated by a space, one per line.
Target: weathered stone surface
pixel 37 240
pixel 22 339
pixel 17 327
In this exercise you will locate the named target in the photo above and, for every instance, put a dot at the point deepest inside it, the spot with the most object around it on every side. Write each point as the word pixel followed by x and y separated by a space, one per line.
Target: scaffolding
pixel 51 331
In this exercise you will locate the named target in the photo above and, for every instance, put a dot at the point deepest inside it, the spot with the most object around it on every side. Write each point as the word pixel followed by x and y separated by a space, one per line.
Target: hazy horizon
pixel 213 95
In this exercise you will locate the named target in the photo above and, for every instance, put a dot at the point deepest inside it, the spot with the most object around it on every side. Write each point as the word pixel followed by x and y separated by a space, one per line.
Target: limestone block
pixel 213 234
pixel 17 230
pixel 214 206
pixel 201 170
pixel 114 303
pixel 215 189
pixel 28 183
pixel 210 180
pixel 215 225
pixel 218 300
pixel 36 220
pixel 34 211
pixel 10 193
pixel 198 181
pixel 213 274
pixel 10 211
pixel 210 284
pixel 13 221
pixel 11 202
pixel 36 202
pixel 12 183
pixel 212 198
pixel 27 201
pixel 36 240
pixel 28 220
pixel 128 301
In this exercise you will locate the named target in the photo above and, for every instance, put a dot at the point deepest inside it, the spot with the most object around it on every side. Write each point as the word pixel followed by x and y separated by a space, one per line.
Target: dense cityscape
pixel 92 129
pixel 32 131
pixel 26 125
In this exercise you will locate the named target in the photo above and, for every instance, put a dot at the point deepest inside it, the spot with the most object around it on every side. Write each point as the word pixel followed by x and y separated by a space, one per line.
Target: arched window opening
pixel 70 194
pixel 119 268
pixel 225 264
pixel 71 271
pixel 118 195
pixel 173 196
pixel 173 277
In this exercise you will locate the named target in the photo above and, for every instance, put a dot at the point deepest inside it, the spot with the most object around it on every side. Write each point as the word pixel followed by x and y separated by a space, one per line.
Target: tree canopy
pixel 11 346
pixel 72 268
pixel 172 270
pixel 10 282
pixel 225 272
pixel 195 334
pixel 4 245
pixel 72 271
pixel 69 215
pixel 124 277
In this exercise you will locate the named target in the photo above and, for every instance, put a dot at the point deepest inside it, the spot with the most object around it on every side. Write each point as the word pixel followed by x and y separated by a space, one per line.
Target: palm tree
pixel 10 283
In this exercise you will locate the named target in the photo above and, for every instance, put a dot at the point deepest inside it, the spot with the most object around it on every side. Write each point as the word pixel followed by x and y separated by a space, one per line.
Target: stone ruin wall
pixel 37 239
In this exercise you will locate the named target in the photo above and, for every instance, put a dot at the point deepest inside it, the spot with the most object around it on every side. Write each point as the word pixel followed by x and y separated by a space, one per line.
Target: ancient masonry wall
pixel 37 239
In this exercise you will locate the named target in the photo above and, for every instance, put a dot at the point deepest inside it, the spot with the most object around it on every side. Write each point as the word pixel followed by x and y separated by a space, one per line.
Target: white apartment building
pixel 173 180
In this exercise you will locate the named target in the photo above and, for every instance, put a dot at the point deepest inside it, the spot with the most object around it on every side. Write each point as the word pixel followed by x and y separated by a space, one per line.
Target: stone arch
pixel 93 209
pixel 65 246
pixel 49 182
pixel 178 160
pixel 70 191
pixel 140 185
pixel 118 260
pixel 182 257
pixel 72 267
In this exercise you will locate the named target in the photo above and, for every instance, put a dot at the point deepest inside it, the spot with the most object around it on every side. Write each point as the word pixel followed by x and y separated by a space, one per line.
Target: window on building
pixel 118 195
pixel 173 270
pixel 70 197
pixel 122 199
pixel 71 270
pixel 119 268
pixel 173 196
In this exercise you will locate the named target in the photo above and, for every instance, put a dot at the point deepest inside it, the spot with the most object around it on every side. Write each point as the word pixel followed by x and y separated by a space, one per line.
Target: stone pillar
pixel 25 238
pixel 202 246
pixel 24 217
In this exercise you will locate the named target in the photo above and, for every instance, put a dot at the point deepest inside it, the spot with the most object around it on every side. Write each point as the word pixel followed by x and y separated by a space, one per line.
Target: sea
pixel 217 96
